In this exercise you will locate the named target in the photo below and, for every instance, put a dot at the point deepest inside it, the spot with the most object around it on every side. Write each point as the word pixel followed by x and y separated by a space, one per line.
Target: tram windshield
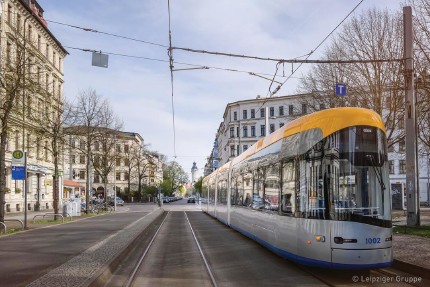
pixel 346 176
pixel 361 172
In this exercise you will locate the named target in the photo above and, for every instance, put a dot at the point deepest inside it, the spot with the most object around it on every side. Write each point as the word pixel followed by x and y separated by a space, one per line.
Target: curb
pixel 412 269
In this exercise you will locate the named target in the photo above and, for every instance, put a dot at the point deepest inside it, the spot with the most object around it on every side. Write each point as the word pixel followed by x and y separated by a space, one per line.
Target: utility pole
pixel 412 187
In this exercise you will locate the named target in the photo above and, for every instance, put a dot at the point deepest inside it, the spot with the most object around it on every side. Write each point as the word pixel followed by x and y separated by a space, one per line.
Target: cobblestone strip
pixel 81 268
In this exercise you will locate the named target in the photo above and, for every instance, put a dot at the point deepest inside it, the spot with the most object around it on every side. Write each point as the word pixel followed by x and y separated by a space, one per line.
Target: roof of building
pixel 39 18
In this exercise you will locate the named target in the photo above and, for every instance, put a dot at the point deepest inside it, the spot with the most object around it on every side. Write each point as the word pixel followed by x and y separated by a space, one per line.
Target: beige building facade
pixel 128 148
pixel 32 53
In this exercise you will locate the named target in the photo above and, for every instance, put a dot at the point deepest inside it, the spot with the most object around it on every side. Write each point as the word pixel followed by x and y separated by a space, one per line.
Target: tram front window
pixel 361 171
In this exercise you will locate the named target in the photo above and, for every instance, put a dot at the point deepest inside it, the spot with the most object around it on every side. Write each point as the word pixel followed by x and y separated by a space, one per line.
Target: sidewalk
pixel 70 254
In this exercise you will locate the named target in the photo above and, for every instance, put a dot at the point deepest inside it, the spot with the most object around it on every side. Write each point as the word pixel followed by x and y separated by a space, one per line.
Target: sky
pixel 137 82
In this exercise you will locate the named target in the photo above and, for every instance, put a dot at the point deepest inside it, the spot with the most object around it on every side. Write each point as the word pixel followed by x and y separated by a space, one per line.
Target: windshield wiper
pixel 378 172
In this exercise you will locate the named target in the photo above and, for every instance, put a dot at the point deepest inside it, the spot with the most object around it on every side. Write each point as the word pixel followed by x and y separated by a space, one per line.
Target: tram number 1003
pixel 374 240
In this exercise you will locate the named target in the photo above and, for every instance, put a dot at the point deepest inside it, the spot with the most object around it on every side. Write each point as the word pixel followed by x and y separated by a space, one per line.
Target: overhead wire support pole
pixel 170 53
pixel 412 180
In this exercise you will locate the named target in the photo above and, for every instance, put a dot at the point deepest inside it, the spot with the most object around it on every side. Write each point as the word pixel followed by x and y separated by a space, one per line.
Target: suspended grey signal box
pixel 100 60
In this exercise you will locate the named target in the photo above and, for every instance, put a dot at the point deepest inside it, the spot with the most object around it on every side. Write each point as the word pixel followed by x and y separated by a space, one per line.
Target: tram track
pixel 175 265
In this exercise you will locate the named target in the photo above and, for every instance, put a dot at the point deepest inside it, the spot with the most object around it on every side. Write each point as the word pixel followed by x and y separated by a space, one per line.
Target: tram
pixel 315 191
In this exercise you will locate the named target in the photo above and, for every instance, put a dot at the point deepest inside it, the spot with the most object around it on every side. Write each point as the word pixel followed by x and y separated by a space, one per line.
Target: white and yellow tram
pixel 315 191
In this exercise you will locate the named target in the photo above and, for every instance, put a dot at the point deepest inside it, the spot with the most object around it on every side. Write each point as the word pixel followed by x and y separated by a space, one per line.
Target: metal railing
pixel 20 221
pixel 52 214
pixel 4 226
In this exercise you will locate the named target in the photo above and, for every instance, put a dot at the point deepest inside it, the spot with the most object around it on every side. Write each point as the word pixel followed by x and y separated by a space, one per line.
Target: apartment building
pixel 119 163
pixel 32 54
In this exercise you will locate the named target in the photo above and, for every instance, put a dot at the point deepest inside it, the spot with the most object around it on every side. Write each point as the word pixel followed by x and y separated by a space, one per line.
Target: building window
pixel 237 132
pixel 82 144
pixel 118 148
pixel 253 131
pixel 82 174
pixel 252 113
pixel 245 132
pixel 72 159
pixel 118 176
pixel 238 151
pixel 8 52
pixel 235 116
pixel 82 159
pixel 9 14
pixel 272 111
pixel 96 146
pixel 262 113
pixel 126 148
pixel 47 51
pixel 30 33
pixel 127 162
pixel 402 145
pixel 39 42
pixel 272 128
pixel 245 114
pixel 245 147
pixel 96 179
pixel 322 106
pixel 126 176
pixel 263 130
pixel 232 132
pixel 281 110
pixel 118 162
pixel 391 166
pixel 232 150
pixel 291 110
pixel 281 125
pixel 304 108
pixel 402 166
pixel 18 22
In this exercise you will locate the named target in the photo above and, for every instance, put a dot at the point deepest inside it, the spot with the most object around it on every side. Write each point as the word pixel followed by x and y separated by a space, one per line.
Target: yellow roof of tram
pixel 328 121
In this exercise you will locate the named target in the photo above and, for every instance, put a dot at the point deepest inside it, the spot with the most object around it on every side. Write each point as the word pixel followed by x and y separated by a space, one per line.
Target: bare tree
pixel 377 85
pixel 90 114
pixel 48 125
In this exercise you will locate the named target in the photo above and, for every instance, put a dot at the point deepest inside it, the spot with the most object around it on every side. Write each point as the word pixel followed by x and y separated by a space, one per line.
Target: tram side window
pixel 233 188
pixel 222 192
pixel 247 188
pixel 204 190
pixel 211 196
pixel 271 188
pixel 288 195
pixel 258 194
pixel 239 190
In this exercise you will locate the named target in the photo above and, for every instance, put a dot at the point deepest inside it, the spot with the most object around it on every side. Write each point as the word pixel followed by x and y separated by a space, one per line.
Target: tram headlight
pixel 320 238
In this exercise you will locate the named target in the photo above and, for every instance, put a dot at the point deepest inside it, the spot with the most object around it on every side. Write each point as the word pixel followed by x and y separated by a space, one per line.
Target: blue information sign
pixel 341 89
pixel 18 172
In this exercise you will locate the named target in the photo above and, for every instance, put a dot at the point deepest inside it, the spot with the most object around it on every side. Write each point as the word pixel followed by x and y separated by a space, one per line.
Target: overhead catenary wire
pixel 258 74
pixel 312 51
pixel 107 33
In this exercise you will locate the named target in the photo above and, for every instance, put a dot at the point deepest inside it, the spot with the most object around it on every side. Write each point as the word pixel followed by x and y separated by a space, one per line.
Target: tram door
pixel 314 222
